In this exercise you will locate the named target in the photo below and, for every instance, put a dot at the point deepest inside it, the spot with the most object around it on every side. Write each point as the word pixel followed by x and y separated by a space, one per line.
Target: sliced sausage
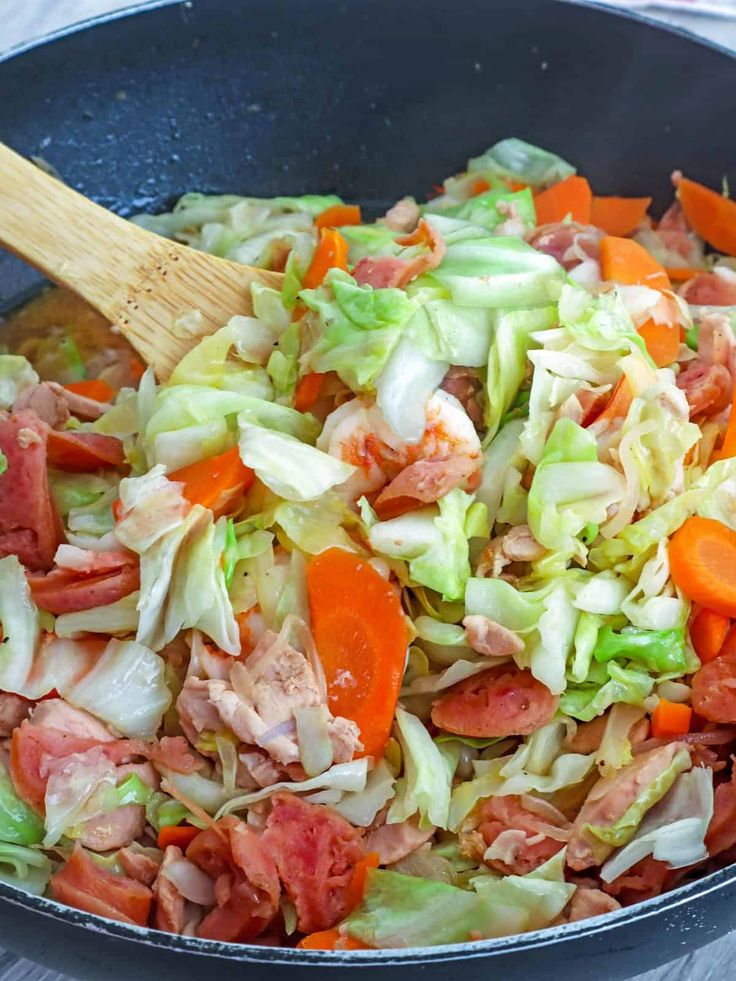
pixel 587 902
pixel 642 881
pixel 30 526
pixel 503 701
pixel 68 591
pixel 82 883
pixel 424 482
pixel 609 800
pixel 83 452
pixel 247 886
pixel 714 689
pixel 392 842
pixel 569 242
pixel 315 851
pixel 709 289
pixel 528 839
pixel 707 387
pixel 487 637
pixel 387 271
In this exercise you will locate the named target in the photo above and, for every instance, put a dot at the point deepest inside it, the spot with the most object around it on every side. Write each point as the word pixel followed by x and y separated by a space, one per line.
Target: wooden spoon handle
pixel 68 237
pixel 139 281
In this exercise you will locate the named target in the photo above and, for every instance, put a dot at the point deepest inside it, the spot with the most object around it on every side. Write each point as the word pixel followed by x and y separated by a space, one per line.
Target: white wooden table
pixel 22 20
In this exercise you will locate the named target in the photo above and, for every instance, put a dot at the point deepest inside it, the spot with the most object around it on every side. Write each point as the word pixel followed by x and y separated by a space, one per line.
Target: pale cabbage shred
pixel 534 339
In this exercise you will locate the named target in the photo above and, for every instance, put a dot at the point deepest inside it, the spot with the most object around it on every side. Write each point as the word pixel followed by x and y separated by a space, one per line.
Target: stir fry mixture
pixel 411 593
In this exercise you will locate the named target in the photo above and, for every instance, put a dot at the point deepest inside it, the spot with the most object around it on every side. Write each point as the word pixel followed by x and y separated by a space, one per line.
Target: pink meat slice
pixel 30 526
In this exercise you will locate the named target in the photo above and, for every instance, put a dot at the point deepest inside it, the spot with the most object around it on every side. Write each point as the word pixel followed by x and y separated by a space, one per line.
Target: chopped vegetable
pixel 571 198
pixel 331 253
pixel 338 215
pixel 361 637
pixel 625 261
pixel 671 719
pixel 681 274
pixel 710 214
pixel 181 835
pixel 618 216
pixel 359 880
pixel 307 390
pixel 662 341
pixel 430 677
pixel 707 633
pixel 330 940
pixel 215 483
pixel 93 388
pixel 703 563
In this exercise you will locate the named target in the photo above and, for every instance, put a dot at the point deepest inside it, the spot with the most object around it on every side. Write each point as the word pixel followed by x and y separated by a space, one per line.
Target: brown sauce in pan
pixel 66 340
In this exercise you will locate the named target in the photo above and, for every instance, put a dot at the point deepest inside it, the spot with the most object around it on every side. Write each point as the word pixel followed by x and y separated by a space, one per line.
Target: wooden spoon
pixel 140 282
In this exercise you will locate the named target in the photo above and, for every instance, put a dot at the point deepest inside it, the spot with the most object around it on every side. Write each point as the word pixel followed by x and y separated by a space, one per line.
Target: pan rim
pixel 536 940
pixel 546 938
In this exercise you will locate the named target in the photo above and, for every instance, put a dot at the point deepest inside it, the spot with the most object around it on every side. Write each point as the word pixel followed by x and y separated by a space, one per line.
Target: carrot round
pixel 307 390
pixel 671 719
pixel 331 253
pixel 93 388
pixel 361 637
pixel 215 482
pixel 330 940
pixel 338 215
pixel 707 633
pixel 662 341
pixel 571 197
pixel 703 564
pixel 181 835
pixel 625 261
pixel 710 214
pixel 618 216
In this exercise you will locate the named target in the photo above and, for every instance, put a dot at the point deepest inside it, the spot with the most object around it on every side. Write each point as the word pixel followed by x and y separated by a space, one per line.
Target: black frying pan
pixel 374 98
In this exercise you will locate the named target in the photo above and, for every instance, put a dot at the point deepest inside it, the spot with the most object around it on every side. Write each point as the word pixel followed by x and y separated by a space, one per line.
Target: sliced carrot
pixel 707 633
pixel 571 197
pixel 331 253
pixel 711 215
pixel 361 637
pixel 729 644
pixel 117 510
pixel 618 404
pixel 479 186
pixel 307 390
pixel 137 368
pixel 625 261
pixel 93 388
pixel 681 274
pixel 514 185
pixel 727 449
pixel 703 564
pixel 181 835
pixel 331 940
pixel 338 215
pixel 671 719
pixel 356 889
pixel 618 216
pixel 215 482
pixel 662 341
